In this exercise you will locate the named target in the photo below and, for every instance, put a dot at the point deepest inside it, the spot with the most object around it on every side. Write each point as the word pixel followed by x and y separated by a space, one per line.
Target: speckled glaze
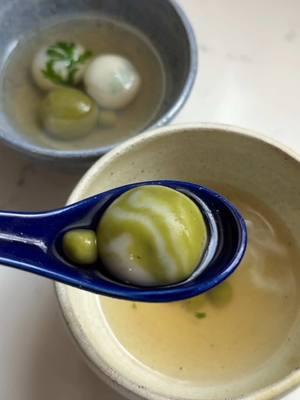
pixel 215 153
pixel 162 21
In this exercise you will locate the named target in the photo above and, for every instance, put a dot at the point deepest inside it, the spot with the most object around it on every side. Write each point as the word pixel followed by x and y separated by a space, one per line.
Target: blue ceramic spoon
pixel 32 242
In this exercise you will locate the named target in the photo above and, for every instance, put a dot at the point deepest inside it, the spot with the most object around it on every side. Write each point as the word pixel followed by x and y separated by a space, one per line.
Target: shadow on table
pixel 32 186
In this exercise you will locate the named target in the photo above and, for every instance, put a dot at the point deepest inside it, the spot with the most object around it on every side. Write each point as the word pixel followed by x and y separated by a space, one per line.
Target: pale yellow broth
pixel 231 340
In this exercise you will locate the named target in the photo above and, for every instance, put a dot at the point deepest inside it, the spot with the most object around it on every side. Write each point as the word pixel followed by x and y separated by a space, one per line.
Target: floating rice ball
pixel 112 81
pixel 68 114
pixel 152 235
pixel 59 64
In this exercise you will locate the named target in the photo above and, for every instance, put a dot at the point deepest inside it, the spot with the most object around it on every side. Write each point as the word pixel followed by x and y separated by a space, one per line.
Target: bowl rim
pixel 106 372
pixel 36 151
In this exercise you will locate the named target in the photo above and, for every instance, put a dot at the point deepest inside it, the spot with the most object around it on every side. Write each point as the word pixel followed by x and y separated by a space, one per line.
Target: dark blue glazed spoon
pixel 33 242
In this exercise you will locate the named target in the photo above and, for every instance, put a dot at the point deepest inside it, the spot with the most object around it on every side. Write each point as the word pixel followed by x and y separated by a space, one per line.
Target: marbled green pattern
pixel 152 235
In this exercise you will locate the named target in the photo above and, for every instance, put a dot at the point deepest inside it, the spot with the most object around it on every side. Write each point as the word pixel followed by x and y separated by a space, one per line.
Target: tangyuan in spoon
pixel 152 241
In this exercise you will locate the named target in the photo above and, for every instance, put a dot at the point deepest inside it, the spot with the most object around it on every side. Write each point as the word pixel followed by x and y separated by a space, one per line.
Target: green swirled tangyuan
pixel 152 235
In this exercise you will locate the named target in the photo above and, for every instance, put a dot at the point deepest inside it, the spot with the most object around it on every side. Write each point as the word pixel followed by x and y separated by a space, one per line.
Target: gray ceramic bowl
pixel 161 21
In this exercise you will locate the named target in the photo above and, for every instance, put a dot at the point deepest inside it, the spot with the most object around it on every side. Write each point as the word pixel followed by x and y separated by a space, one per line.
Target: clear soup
pixel 215 341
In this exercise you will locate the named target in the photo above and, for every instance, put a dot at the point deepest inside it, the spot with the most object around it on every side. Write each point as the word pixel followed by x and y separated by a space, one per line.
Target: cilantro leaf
pixel 200 315
pixel 64 52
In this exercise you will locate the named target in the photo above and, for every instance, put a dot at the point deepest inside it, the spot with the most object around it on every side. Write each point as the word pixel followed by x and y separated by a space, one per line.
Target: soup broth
pixel 211 341
pixel 100 35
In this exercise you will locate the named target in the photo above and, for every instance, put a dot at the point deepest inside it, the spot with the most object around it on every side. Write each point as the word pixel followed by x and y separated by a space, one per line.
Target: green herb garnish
pixel 200 315
pixel 64 52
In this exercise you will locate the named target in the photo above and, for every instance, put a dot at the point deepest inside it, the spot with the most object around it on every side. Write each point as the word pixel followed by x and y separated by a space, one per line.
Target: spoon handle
pixel 24 239
pixel 28 240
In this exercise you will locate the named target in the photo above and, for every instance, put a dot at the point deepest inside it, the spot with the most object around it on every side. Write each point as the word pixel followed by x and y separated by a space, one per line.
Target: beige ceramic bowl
pixel 198 154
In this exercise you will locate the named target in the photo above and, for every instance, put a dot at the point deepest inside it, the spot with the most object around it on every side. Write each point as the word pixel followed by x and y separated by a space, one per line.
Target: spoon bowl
pixel 33 242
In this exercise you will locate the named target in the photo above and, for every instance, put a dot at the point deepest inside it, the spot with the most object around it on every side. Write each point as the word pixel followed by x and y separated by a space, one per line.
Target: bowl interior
pixel 159 21
pixel 208 154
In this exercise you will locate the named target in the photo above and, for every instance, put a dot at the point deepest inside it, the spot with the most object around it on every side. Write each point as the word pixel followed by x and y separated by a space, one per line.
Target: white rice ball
pixel 112 81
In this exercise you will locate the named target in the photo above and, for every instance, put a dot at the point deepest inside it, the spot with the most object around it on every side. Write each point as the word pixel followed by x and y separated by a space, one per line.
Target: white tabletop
pixel 249 64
